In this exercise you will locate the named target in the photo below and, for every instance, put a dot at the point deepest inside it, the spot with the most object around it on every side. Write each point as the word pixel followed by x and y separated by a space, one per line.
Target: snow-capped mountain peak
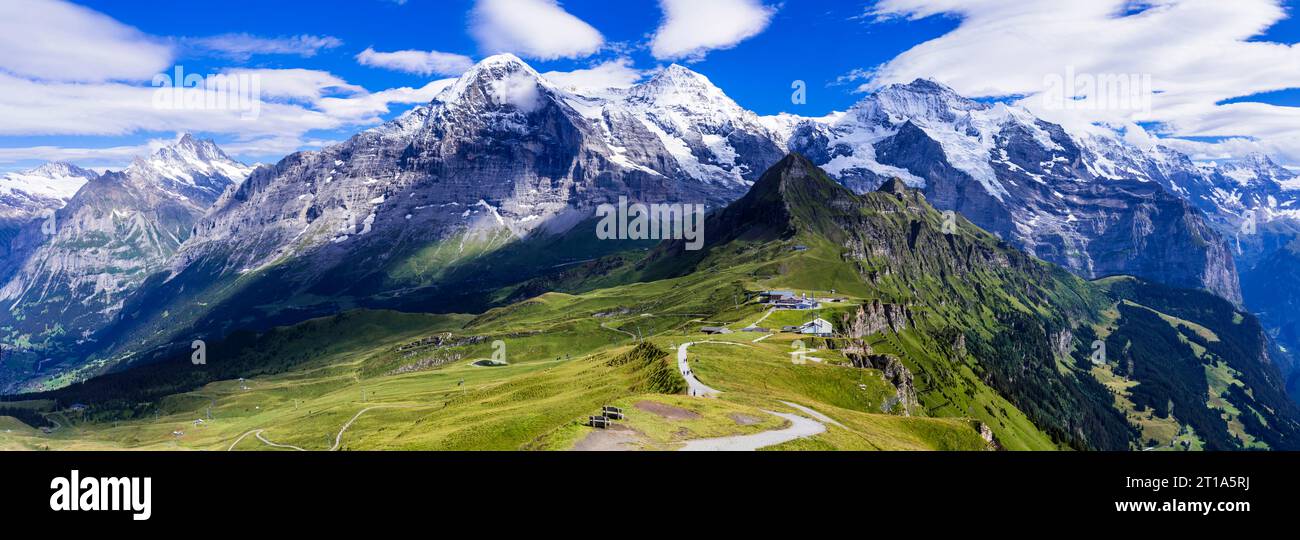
pixel 54 180
pixel 677 76
pixel 678 86
pixel 919 99
pixel 1255 168
pixel 498 81
pixel 189 164
pixel 25 195
pixel 56 169
pixel 505 61
pixel 707 134
pixel 190 148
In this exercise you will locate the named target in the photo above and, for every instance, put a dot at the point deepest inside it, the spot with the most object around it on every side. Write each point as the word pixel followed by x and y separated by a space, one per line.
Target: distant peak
pixel 1259 158
pixel 61 168
pixel 678 74
pixel 926 88
pixel 921 98
pixel 677 85
pixel 502 78
pixel 501 58
pixel 498 65
pixel 678 69
pixel 190 146
pixel 186 159
pixel 930 85
pixel 1255 161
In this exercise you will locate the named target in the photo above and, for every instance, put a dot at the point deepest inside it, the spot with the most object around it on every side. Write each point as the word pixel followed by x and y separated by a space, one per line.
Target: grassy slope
pixel 535 402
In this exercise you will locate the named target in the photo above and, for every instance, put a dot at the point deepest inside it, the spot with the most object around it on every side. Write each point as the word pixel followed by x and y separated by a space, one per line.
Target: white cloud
pixel 298 84
pixel 295 103
pixel 417 62
pixel 1197 54
pixel 539 29
pixel 85 157
pixel 39 108
pixel 1234 147
pixel 365 109
pixel 271 149
pixel 611 74
pixel 55 40
pixel 249 149
pixel 90 76
pixel 519 89
pixel 87 75
pixel 691 28
pixel 244 46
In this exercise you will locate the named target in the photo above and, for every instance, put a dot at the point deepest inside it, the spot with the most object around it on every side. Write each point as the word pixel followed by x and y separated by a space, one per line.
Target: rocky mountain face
pixel 1253 202
pixel 1024 179
pixel 709 137
pixel 116 230
pixel 33 194
pixel 1231 193
pixel 1272 290
pixel 498 154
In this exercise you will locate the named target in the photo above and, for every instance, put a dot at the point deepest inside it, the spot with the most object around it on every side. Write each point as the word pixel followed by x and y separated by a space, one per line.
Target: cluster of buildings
pixel 788 300
pixel 817 327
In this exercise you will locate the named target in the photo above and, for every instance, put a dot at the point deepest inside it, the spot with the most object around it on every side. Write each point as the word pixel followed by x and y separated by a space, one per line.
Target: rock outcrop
pixel 874 317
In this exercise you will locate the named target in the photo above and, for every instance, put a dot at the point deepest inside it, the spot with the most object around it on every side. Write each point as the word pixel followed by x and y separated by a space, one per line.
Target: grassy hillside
pixel 537 401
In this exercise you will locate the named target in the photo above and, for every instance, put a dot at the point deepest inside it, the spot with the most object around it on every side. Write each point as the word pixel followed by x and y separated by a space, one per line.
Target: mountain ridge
pixel 395 208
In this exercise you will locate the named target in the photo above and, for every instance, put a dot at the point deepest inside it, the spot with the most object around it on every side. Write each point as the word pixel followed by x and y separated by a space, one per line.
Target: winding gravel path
pixel 800 427
pixel 338 439
pixel 816 415
pixel 275 444
pixel 696 387
pixel 241 437
pixel 629 334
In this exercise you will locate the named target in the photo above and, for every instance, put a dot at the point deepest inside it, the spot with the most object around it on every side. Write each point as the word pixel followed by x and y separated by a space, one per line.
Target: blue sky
pixel 752 49
pixel 812 40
